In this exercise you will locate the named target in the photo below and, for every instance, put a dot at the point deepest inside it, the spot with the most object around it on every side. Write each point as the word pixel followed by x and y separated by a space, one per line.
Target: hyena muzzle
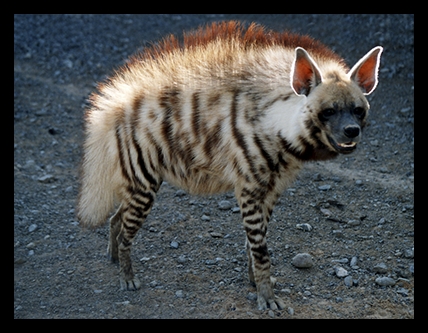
pixel 228 108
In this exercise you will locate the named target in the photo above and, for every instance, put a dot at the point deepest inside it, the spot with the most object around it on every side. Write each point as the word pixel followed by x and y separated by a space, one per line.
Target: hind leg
pixel 130 217
pixel 115 226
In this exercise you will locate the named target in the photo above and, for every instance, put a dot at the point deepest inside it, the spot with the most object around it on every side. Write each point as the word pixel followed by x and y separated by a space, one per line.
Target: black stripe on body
pixel 121 149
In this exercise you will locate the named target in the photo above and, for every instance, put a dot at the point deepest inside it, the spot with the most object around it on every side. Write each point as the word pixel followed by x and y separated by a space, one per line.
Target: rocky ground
pixel 353 216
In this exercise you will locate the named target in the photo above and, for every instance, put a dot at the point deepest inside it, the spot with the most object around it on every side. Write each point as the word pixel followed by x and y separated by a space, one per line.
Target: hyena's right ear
pixel 305 74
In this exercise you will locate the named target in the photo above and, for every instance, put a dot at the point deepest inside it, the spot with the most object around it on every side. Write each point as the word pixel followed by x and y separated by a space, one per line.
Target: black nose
pixel 352 131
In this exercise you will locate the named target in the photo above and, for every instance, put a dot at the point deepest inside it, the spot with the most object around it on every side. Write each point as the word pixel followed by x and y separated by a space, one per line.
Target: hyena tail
pixel 98 178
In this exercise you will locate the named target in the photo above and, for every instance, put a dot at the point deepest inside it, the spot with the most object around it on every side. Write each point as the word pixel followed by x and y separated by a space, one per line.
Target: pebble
pixel 380 268
pixel 290 311
pixel 252 296
pixel 205 218
pixel 32 227
pixel 174 245
pixel 304 226
pixel 179 294
pixel 216 234
pixel 409 254
pixel 340 272
pixel 302 260
pixel 324 187
pixel 271 314
pixel 385 281
pixel 46 179
pixel 358 182
pixel 225 205
pixel 348 281
pixel 180 193
pixel 354 261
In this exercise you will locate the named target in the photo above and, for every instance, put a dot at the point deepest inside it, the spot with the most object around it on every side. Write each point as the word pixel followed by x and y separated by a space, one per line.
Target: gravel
pixel 189 254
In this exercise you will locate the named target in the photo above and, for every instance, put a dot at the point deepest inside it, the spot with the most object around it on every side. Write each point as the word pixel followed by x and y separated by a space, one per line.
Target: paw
pixel 132 284
pixel 266 298
pixel 274 303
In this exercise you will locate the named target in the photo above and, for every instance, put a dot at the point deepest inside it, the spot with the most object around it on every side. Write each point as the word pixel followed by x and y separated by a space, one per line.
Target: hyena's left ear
pixel 305 74
pixel 364 72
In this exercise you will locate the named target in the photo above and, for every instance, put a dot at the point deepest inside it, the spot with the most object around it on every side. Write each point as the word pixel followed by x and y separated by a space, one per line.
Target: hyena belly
pixel 230 109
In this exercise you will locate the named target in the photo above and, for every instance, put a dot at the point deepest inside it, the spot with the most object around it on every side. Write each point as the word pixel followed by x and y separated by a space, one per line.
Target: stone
pixel 179 294
pixel 348 281
pixel 302 260
pixel 46 179
pixel 385 281
pixel 225 205
pixel 304 226
pixel 32 228
pixel 380 268
pixel 174 245
pixel 340 272
pixel 324 187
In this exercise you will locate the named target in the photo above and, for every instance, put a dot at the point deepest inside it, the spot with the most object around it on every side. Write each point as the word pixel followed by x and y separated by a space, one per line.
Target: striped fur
pixel 229 108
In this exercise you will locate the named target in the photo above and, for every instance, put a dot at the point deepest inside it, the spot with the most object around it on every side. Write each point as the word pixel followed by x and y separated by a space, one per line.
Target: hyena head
pixel 336 104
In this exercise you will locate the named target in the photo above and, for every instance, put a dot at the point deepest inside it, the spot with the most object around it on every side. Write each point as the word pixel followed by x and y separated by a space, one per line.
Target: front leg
pixel 255 214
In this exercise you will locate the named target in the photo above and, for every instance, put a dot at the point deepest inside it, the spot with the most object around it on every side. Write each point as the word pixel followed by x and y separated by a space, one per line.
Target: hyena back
pixel 229 108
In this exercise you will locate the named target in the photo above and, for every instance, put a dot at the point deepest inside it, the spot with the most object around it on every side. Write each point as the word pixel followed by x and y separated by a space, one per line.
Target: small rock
pixel 348 281
pixel 225 205
pixel 358 182
pixel 174 245
pixel 180 193
pixel 31 245
pixel 271 314
pixel 326 212
pixel 302 260
pixel 236 210
pixel 403 291
pixel 182 259
pixel 46 179
pixel 98 291
pixel 409 253
pixel 385 281
pixel 304 226
pixel 354 223
pixel 354 261
pixel 252 296
pixel 340 272
pixel 290 311
pixel 216 234
pixel 380 268
pixel 32 227
pixel 205 218
pixel 341 261
pixel 210 262
pixel 324 187
pixel 179 294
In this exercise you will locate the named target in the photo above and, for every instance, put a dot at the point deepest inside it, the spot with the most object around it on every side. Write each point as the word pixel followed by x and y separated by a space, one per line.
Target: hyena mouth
pixel 343 148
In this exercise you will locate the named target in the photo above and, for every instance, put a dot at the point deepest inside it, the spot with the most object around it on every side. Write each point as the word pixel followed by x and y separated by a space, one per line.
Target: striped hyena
pixel 228 108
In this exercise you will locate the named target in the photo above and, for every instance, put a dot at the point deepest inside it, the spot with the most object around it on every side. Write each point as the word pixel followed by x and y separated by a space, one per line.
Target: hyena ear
pixel 305 74
pixel 364 72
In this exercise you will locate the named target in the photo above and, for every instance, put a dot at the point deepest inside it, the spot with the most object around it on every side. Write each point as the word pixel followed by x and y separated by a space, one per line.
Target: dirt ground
pixel 189 254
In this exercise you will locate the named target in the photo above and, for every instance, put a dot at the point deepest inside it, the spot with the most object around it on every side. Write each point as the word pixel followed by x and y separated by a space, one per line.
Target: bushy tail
pixel 96 197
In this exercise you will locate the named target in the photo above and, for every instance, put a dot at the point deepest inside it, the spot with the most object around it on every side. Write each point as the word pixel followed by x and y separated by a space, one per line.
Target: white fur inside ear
pixel 365 71
pixel 305 73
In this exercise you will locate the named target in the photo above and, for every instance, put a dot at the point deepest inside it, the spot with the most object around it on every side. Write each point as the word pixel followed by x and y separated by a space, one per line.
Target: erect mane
pixel 254 35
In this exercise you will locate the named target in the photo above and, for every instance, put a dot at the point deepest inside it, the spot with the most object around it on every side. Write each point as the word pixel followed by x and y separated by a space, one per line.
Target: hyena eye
pixel 359 112
pixel 326 114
